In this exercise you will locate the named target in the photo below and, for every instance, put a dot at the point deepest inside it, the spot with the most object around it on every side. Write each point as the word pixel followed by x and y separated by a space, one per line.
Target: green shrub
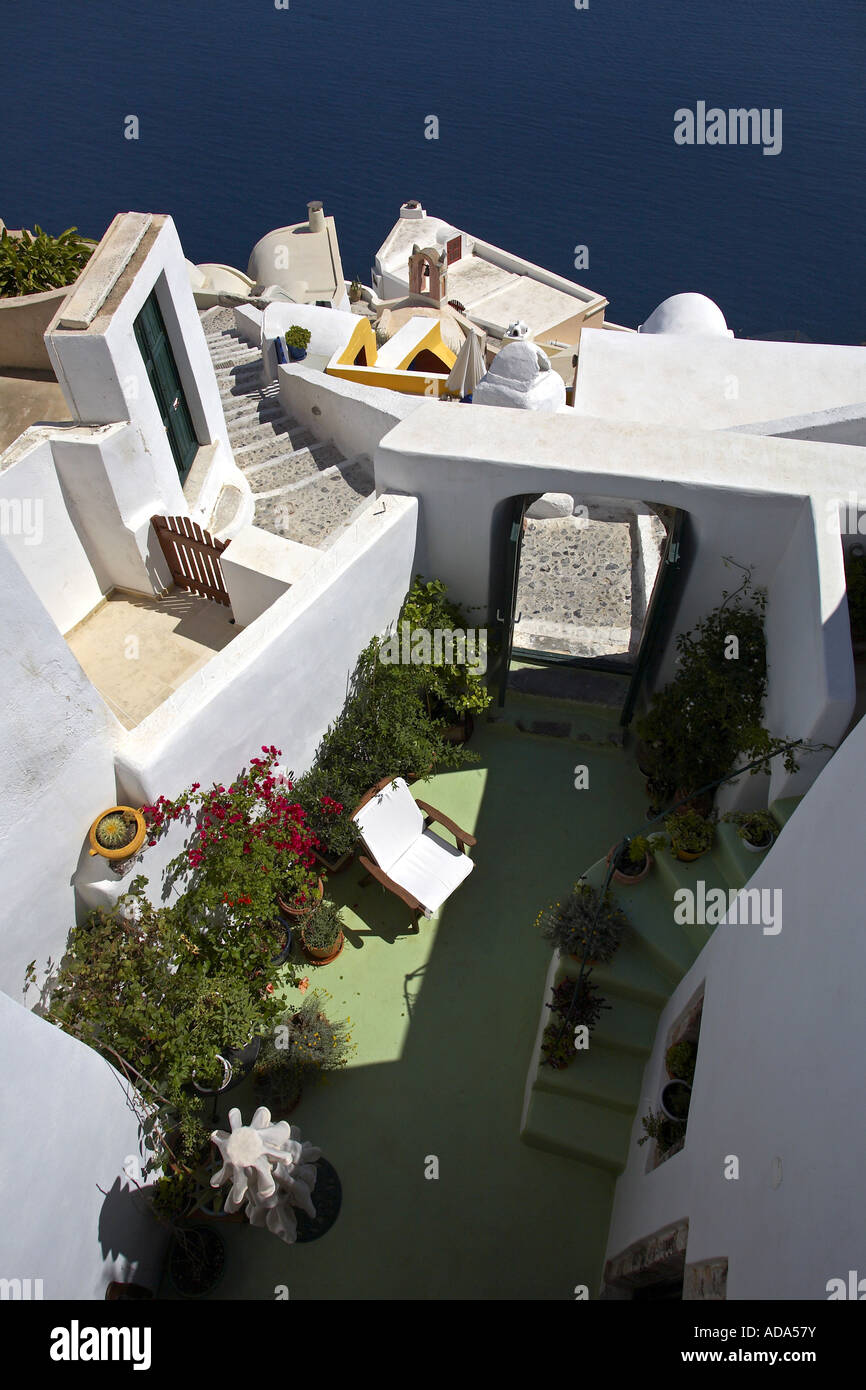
pixel 32 263
pixel 680 1061
pixel 665 1132
pixel 690 832
pixel 710 715
pixel 298 337
pixel 136 985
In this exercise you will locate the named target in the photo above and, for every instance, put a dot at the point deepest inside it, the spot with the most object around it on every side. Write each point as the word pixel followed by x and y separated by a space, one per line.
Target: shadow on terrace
pixel 444 1022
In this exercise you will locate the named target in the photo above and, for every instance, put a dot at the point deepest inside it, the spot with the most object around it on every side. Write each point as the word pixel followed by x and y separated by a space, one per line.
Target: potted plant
pixel 690 833
pixel 585 925
pixel 250 851
pixel 355 291
pixel 757 829
pixel 680 1061
pixel 675 1100
pixel 634 858
pixel 35 262
pixel 196 1260
pixel 297 342
pixel 118 833
pixel 579 1003
pixel 667 1133
pixel 303 903
pixel 165 1003
pixel 322 933
pixel 278 1082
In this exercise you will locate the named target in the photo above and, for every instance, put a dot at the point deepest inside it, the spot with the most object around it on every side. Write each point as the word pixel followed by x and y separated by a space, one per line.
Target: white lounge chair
pixel 405 856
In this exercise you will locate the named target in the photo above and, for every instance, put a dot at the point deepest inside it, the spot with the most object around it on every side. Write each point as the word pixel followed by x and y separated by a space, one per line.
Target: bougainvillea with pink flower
pixel 248 843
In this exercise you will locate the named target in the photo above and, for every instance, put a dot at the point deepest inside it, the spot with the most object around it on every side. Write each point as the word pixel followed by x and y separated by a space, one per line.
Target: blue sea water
pixel 555 130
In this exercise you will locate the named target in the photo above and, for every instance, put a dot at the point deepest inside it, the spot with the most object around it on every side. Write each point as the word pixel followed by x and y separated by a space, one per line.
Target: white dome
pixel 687 313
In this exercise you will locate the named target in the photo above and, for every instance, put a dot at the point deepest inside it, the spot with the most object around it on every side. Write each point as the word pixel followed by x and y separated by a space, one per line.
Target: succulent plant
pixel 116 830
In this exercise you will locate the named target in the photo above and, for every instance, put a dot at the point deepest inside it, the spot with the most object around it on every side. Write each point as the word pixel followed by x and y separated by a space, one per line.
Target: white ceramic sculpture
pixel 271 1170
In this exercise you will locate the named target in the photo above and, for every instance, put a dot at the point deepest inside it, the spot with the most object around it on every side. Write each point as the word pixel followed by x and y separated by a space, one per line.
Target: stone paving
pixel 304 490
pixel 575 588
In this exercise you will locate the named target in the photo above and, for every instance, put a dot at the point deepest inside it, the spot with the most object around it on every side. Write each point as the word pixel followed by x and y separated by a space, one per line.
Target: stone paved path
pixel 575 591
pixel 304 490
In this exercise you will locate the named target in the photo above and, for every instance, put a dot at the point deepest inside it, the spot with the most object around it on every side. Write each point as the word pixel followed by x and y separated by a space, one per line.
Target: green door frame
pixel 164 378
pixel 656 621
pixel 512 575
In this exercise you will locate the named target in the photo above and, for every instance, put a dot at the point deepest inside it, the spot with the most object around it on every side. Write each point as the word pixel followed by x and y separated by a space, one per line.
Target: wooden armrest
pixel 386 882
pixel 374 791
pixel 462 836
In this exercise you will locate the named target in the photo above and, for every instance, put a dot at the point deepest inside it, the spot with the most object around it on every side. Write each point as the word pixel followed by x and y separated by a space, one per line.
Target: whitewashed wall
pixel 355 417
pixel 779 1072
pixel 41 536
pixel 57 774
pixel 68 1212
pixel 746 497
pixel 93 491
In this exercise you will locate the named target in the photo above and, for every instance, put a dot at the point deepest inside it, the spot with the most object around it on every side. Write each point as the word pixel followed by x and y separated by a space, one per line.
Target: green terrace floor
pixel 444 1021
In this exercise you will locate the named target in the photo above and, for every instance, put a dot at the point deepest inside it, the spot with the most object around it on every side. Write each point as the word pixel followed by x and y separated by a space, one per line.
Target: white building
pixel 436 263
pixel 782 1030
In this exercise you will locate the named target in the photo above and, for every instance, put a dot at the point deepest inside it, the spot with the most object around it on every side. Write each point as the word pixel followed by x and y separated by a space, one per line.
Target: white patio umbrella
pixel 469 367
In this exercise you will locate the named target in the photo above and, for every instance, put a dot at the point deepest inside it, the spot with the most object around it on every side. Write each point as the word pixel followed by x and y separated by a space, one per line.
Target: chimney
pixel 316 217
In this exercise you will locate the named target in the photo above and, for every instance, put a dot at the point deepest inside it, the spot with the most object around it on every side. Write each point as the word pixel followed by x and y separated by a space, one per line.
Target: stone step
pixel 252 408
pixel 633 973
pixel 312 513
pixel 258 450
pixel 649 907
pixel 629 1025
pixel 598 1074
pixel 578 1128
pixel 292 470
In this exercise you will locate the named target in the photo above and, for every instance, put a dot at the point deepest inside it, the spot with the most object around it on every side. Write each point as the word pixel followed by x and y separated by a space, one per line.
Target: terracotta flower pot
pixel 323 957
pixel 627 879
pixel 299 913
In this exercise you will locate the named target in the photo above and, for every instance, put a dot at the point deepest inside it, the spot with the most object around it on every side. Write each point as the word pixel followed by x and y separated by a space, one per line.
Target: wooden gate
pixel 193 556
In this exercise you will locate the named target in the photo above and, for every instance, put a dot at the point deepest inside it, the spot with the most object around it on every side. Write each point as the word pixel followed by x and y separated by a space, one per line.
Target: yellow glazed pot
pixel 125 851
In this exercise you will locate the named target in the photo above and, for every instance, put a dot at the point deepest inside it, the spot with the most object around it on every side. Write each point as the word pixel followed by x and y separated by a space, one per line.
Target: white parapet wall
pixel 355 417
pixel 258 568
pixel 79 1222
pixel 775 1145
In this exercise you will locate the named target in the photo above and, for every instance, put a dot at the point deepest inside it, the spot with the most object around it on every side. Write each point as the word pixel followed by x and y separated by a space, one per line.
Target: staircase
pixel 304 490
pixel 587 1110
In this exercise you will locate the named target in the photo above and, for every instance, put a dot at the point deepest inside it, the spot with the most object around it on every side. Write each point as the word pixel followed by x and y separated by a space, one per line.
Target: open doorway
pixel 591 584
